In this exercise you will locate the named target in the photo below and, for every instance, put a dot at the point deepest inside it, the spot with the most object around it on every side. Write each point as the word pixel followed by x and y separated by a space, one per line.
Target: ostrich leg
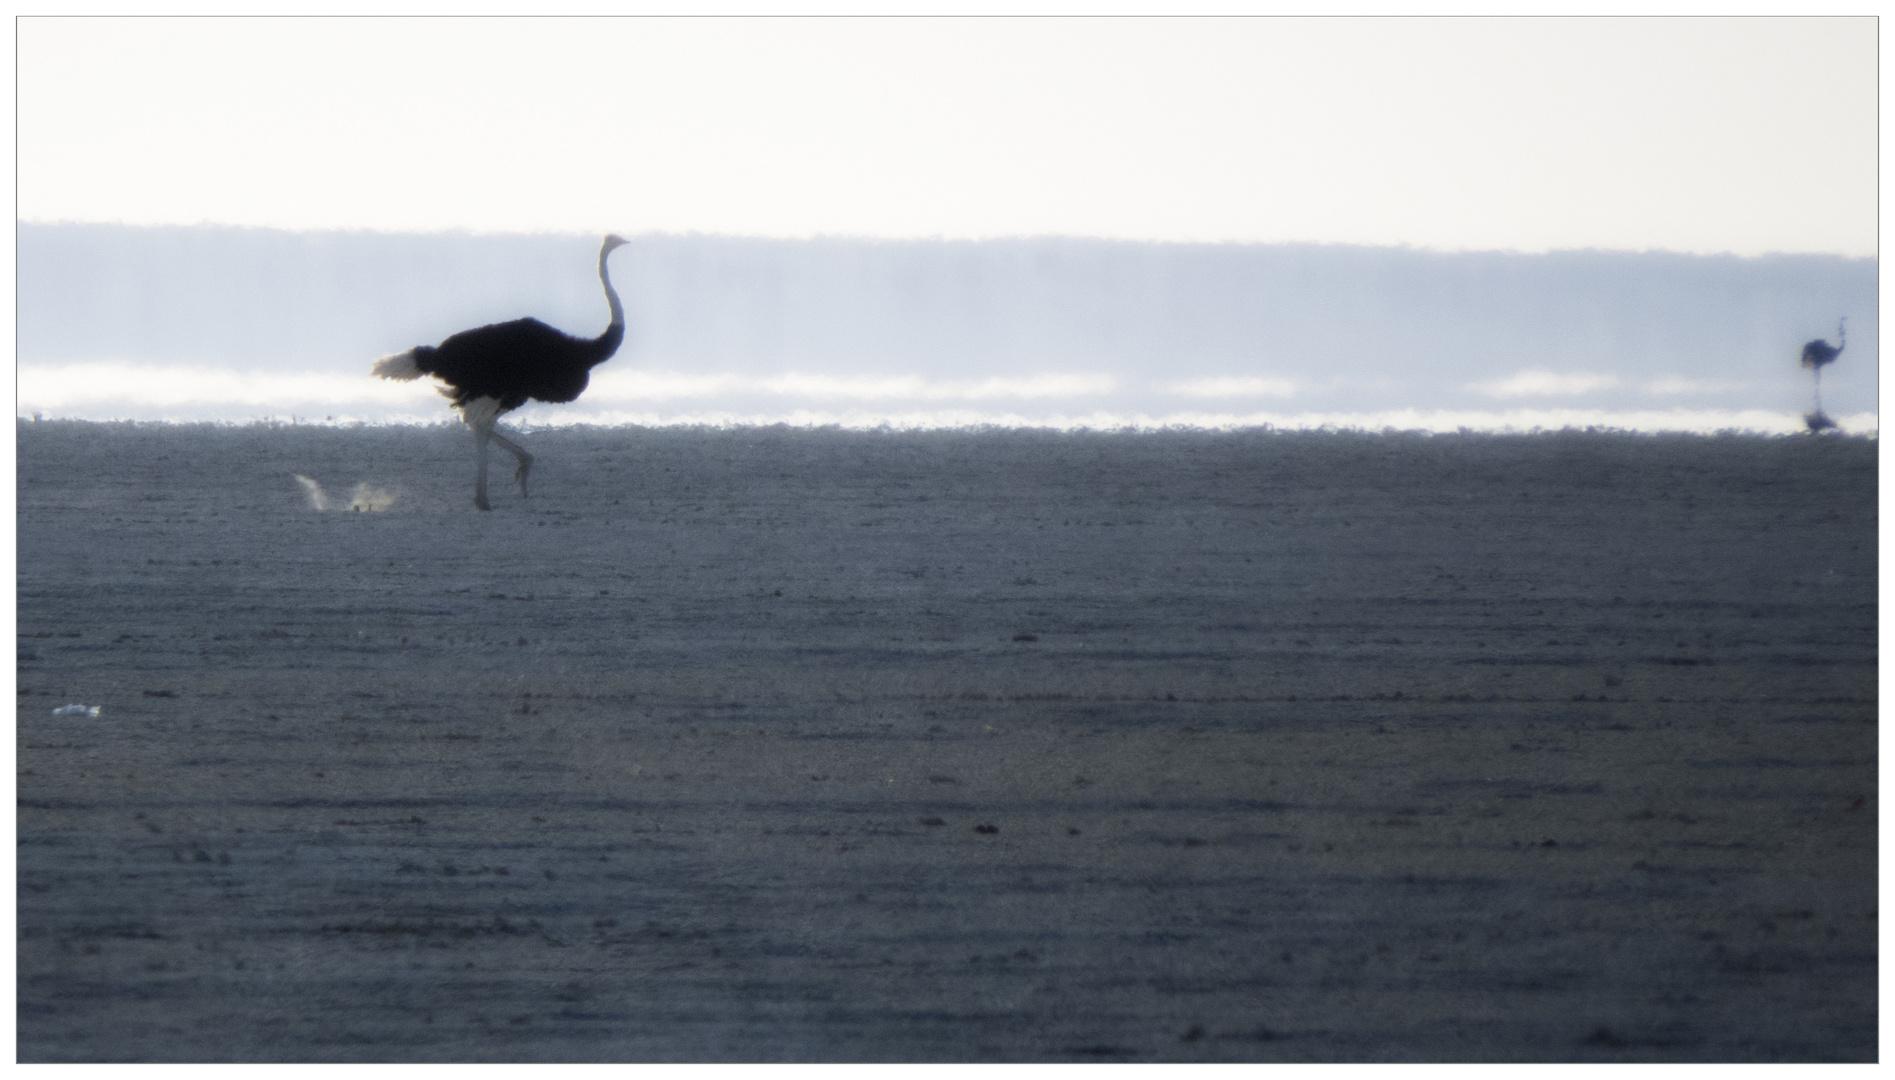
pixel 479 414
pixel 526 460
pixel 481 437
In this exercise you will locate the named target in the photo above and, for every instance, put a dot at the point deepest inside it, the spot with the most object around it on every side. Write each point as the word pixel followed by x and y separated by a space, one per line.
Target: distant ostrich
pixel 495 369
pixel 1816 354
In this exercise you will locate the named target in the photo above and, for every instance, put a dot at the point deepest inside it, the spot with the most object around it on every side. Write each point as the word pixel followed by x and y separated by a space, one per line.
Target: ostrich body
pixel 497 368
pixel 1815 355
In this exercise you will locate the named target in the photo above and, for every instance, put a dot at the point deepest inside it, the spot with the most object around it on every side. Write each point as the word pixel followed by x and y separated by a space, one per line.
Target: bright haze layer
pixel 1720 139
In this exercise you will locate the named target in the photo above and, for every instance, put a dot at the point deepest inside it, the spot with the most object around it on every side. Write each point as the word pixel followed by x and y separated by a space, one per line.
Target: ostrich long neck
pixel 608 342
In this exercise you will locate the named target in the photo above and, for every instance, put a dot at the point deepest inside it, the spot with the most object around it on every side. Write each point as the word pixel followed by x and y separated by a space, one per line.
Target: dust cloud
pixel 367 497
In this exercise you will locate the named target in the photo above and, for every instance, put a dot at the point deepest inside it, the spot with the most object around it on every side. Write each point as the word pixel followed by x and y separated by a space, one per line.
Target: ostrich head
pixel 612 240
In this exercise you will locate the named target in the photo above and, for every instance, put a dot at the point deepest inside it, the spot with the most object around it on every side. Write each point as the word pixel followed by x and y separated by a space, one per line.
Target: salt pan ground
pixel 769 744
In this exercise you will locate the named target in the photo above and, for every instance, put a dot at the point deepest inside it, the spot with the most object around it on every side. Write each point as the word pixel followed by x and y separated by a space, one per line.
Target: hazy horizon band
pixel 1098 401
pixel 232 325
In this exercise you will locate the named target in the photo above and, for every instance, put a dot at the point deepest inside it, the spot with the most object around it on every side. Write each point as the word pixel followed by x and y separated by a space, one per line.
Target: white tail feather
pixel 399 365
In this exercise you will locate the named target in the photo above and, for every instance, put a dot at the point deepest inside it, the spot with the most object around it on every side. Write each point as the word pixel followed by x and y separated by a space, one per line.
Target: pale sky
pixel 1694 135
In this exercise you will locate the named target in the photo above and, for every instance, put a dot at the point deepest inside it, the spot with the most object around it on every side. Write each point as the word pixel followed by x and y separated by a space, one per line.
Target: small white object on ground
pixel 76 710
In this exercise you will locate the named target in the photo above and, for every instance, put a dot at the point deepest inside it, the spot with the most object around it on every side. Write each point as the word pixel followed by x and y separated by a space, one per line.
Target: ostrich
pixel 1815 355
pixel 495 369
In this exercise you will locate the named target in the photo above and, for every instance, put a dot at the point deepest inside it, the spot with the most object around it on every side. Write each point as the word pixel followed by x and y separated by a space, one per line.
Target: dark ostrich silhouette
pixel 495 369
pixel 1815 355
